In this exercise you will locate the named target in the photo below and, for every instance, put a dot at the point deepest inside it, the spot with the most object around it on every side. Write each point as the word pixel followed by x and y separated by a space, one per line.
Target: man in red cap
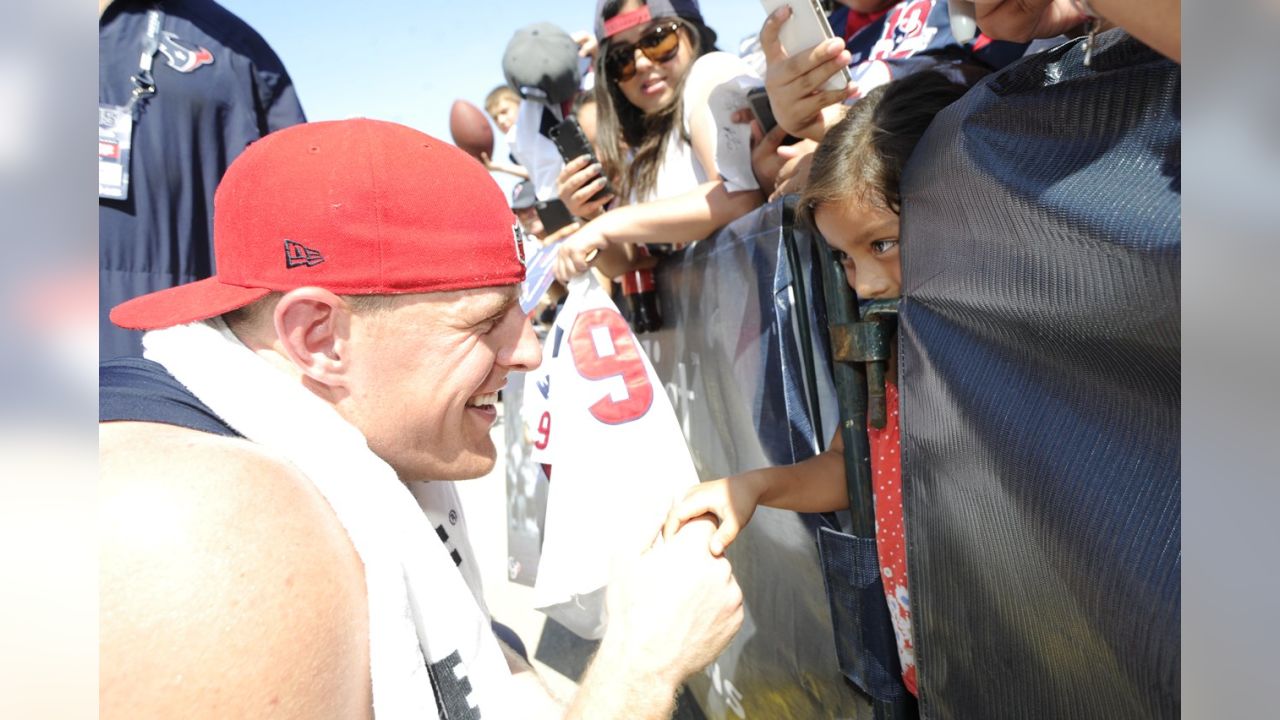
pixel 279 533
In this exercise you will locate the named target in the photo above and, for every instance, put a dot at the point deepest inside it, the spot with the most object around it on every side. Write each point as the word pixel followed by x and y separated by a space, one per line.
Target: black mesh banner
pixel 1040 372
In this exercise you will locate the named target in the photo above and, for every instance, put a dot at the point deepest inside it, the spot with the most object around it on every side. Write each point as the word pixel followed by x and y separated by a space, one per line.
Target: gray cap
pixel 541 63
pixel 522 196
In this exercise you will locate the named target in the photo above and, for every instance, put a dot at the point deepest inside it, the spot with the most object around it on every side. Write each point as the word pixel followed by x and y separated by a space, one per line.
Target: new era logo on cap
pixel 297 255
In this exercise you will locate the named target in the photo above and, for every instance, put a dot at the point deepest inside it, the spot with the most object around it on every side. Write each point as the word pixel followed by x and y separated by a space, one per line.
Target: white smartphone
pixel 807 27
pixel 963 25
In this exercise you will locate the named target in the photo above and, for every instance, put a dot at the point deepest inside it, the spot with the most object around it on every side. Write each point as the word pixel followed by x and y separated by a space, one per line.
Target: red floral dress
pixel 891 540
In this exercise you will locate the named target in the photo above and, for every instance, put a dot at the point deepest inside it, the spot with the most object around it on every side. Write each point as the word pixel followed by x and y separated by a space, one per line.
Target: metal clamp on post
pixel 867 342
pixel 860 349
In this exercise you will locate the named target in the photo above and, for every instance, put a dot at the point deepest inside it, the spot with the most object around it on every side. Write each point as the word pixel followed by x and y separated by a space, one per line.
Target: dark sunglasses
pixel 660 45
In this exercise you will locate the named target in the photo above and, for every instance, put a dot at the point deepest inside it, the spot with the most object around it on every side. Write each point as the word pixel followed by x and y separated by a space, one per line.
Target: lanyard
pixel 144 84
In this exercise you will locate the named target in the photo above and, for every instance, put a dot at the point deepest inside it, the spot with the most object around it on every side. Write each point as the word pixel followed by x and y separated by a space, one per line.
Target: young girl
pixel 680 176
pixel 852 199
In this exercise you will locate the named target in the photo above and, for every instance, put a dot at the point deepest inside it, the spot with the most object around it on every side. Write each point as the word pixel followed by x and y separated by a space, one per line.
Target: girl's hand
pixel 577 251
pixel 577 182
pixel 732 500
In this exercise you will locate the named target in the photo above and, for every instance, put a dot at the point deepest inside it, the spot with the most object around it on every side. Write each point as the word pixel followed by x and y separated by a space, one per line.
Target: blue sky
pixel 408 61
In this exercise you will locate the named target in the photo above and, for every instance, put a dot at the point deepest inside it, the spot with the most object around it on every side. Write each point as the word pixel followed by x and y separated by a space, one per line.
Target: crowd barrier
pixel 1040 373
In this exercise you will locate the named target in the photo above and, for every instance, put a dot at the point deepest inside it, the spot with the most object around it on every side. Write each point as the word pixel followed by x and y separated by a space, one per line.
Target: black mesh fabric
pixel 1040 373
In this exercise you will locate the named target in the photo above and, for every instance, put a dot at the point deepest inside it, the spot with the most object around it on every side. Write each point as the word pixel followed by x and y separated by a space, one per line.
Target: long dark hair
pixel 863 155
pixel 622 127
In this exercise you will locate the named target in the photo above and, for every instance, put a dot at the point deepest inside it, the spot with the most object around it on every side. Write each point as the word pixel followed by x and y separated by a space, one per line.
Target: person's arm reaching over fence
pixel 1158 23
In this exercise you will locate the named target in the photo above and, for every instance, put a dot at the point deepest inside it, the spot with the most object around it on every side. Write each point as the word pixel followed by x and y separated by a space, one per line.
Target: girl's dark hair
pixel 622 127
pixel 863 154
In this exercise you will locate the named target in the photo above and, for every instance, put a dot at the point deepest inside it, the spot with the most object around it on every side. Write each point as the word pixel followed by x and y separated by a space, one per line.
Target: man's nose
pixel 527 355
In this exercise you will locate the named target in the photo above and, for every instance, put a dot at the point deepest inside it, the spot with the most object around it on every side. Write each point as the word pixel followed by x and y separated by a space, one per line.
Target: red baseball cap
pixel 358 207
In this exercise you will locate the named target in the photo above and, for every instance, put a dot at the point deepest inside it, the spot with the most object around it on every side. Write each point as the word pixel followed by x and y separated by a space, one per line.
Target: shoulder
pixel 227 583
pixel 225 28
pixel 715 68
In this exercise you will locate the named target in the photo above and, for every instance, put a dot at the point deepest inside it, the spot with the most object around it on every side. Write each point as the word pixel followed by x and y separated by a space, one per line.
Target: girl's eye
pixel 881 247
pixel 839 256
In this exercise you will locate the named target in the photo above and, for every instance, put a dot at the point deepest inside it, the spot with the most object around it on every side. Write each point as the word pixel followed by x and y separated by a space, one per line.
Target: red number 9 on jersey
pixel 597 363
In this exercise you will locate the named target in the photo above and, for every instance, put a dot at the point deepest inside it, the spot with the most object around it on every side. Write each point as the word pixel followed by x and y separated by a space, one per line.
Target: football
pixel 470 129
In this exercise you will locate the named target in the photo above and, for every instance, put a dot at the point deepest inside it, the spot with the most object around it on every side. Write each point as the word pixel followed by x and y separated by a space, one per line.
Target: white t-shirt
pixel 535 151
pixel 716 86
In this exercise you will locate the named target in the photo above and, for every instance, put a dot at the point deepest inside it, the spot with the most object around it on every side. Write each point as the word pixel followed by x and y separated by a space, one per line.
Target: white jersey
pixel 603 421
pixel 716 86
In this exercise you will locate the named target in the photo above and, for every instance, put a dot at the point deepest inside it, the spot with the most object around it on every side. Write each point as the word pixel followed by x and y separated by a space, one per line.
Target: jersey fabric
pixel 219 87
pixel 606 426
pixel 909 37
pixel 141 390
pixel 891 544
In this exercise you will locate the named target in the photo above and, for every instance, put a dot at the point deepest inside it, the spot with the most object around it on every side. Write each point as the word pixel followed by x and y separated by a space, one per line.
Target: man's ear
pixel 313 327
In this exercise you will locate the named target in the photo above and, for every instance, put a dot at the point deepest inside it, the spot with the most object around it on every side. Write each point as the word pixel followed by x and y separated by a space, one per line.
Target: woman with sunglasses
pixel 681 171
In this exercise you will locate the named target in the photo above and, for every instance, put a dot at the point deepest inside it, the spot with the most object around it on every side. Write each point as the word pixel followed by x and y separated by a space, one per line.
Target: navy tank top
pixel 142 390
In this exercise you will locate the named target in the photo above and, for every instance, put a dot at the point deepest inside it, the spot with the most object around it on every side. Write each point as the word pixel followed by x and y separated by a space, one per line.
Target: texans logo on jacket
pixel 906 31
pixel 180 57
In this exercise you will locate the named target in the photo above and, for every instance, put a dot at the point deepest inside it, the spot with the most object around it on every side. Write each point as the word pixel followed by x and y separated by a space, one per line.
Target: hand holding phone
pixel 572 143
pixel 963 25
pixel 758 101
pixel 806 28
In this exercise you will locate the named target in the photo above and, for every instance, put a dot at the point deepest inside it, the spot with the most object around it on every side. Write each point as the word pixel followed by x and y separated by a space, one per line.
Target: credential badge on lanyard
pixel 115 122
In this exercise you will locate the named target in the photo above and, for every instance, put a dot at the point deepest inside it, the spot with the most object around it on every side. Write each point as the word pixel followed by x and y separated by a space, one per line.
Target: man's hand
pixel 676 608
pixel 577 182
pixel 794 82
pixel 670 614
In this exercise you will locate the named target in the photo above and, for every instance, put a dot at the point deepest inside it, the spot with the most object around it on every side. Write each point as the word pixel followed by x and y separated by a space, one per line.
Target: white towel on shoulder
pixel 420 605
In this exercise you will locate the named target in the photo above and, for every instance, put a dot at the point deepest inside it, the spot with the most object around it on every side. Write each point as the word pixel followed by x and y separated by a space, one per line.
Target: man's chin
pixel 484 466
pixel 469 466
pixel 471 463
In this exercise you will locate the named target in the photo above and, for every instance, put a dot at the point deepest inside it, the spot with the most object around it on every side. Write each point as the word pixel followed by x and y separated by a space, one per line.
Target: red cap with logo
pixel 357 207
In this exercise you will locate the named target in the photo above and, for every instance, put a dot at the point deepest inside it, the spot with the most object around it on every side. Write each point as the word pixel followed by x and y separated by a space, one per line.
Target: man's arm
pixel 228 587
pixel 532 694
pixel 670 615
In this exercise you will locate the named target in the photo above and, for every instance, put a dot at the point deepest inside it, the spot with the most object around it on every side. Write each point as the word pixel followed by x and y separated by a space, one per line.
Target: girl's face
pixel 865 239
pixel 652 87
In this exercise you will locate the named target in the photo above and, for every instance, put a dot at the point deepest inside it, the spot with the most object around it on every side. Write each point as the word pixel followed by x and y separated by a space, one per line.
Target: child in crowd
pixel 503 105
pixel 852 200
